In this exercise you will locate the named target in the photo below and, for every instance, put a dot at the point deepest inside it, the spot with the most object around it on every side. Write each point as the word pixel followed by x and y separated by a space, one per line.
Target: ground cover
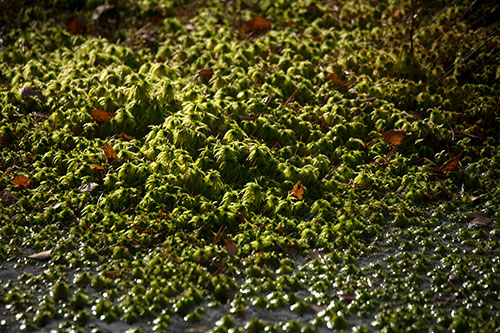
pixel 249 166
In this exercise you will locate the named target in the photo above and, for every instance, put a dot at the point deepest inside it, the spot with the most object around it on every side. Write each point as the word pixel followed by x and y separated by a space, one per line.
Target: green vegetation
pixel 295 166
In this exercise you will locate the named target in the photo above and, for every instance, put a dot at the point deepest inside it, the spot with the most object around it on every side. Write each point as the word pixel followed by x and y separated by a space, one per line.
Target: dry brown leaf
pixel 256 24
pixel 21 181
pixel 206 73
pixel 75 26
pixel 3 142
pixel 125 136
pixel 231 248
pixel 45 255
pixel 394 137
pixel 109 152
pixel 298 190
pixel 101 116
pixel 317 254
pixel 335 79
pixel 97 167
pixel 477 218
pixel 452 164
pixel 348 296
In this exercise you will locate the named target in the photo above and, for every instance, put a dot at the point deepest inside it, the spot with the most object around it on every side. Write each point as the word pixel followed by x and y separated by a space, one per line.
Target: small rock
pixel 7 198
pixel 29 91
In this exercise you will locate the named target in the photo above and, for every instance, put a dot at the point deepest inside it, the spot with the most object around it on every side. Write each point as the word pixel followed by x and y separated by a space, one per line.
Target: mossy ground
pixel 250 178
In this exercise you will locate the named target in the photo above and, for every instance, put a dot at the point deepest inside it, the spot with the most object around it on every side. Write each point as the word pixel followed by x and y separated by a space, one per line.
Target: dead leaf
pixel 206 73
pixel 317 254
pixel 45 255
pixel 4 142
pixel 29 91
pixel 452 164
pixel 7 198
pixel 21 181
pixel 101 10
pixel 101 116
pixel 75 26
pixel 335 79
pixel 298 190
pixel 125 136
pixel 97 167
pixel 348 296
pixel 231 248
pixel 256 24
pixel 416 115
pixel 109 152
pixel 87 187
pixel 394 137
pixel 477 218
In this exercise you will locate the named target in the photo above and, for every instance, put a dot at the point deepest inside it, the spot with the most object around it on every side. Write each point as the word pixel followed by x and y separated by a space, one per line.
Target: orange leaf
pixel 97 167
pixel 21 181
pixel 101 116
pixel 333 77
pixel 125 136
pixel 298 190
pixel 452 164
pixel 110 152
pixel 231 249
pixel 207 73
pixel 256 24
pixel 394 137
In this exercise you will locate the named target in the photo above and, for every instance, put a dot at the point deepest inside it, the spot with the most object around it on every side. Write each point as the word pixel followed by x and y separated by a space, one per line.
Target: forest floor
pixel 275 165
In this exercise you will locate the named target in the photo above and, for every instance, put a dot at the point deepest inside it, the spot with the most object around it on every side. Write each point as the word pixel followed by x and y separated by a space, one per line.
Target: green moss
pixel 379 237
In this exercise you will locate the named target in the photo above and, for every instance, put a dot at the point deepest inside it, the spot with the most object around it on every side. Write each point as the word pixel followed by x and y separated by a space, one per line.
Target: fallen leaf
pixel 75 26
pixel 101 10
pixel 416 115
pixel 394 137
pixel 29 91
pixel 109 152
pixel 101 116
pixel 4 142
pixel 335 79
pixel 256 24
pixel 452 164
pixel 45 255
pixel 21 181
pixel 348 296
pixel 206 73
pixel 88 187
pixel 317 254
pixel 125 136
pixel 298 190
pixel 7 198
pixel 98 168
pixel 477 218
pixel 114 272
pixel 231 249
